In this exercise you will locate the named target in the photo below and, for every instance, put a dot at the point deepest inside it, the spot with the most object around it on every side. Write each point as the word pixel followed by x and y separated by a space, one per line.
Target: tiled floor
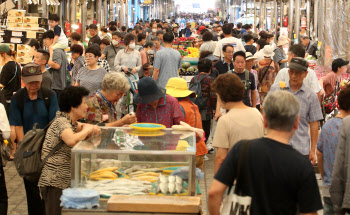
pixel 17 196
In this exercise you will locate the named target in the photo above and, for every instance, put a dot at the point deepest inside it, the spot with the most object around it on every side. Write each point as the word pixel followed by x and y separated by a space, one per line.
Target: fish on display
pixel 171 179
pixel 178 179
pixel 163 188
pixel 172 187
pixel 179 188
pixel 163 178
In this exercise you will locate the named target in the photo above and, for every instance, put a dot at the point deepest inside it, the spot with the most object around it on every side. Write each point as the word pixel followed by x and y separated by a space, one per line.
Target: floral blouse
pixel 100 110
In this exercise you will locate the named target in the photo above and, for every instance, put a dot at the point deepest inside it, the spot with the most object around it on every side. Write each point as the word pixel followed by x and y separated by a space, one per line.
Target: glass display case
pixel 124 161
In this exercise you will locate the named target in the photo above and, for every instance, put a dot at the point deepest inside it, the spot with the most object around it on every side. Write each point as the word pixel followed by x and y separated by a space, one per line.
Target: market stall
pixel 142 166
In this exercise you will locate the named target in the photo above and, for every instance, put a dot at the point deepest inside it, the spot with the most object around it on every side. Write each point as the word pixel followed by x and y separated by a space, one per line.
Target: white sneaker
pixel 206 158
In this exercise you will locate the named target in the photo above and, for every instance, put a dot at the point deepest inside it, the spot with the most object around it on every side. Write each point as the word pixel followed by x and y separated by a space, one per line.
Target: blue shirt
pixel 310 111
pixel 327 144
pixel 34 111
pixel 188 32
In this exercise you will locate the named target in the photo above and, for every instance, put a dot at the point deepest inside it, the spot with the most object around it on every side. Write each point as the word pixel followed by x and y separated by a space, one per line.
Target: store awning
pixel 48 2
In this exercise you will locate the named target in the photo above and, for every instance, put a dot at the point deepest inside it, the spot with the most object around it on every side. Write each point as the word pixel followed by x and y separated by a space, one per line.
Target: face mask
pixel 150 52
pixel 115 42
pixel 132 46
pixel 154 30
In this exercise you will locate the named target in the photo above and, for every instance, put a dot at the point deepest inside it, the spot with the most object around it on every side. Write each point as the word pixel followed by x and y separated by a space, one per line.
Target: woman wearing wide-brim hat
pixel 154 106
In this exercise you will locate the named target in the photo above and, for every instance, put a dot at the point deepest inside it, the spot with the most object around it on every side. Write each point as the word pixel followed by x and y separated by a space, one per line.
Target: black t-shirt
pixel 246 98
pixel 10 78
pixel 250 48
pixel 95 39
pixel 280 178
pixel 222 66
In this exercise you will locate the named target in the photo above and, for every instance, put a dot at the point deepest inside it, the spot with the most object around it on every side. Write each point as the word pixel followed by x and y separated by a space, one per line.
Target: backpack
pixel 28 155
pixel 196 87
pixel 46 94
pixel 246 80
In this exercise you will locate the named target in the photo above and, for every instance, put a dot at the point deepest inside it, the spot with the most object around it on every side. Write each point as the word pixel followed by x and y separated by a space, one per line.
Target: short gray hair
pixel 281 109
pixel 115 81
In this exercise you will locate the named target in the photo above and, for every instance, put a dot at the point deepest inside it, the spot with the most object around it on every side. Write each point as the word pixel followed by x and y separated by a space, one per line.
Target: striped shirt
pixel 57 170
pixel 101 63
pixel 91 79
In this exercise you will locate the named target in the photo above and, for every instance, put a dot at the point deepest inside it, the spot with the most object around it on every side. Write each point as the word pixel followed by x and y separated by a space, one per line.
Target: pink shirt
pixel 330 82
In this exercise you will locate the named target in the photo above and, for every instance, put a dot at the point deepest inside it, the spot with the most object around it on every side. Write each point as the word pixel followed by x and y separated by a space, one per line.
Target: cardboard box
pixel 21 47
pixel 24 60
pixel 26 25
pixel 31 20
pixel 14 19
pixel 23 53
pixel 16 13
pixel 15 25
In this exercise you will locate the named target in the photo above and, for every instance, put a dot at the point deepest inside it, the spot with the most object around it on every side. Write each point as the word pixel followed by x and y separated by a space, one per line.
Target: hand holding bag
pixel 237 202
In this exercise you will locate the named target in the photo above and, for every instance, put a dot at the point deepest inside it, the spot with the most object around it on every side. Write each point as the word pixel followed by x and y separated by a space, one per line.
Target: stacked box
pixel 16 13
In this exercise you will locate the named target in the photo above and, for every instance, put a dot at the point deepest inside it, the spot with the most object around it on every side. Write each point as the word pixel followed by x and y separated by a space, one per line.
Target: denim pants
pixel 3 191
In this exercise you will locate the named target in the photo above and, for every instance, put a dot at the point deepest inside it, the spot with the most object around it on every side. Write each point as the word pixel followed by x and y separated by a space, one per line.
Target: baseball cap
pixel 299 64
pixel 5 48
pixel 188 24
pixel 338 63
pixel 31 72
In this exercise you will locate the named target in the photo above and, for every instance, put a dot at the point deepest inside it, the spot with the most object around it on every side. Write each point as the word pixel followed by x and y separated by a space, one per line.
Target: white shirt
pixel 4 123
pixel 310 80
pixel 236 43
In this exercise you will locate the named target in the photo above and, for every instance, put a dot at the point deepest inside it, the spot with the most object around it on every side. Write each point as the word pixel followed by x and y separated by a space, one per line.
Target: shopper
pixel 175 31
pixel 152 35
pixel 280 56
pixel 167 62
pixel 207 93
pixel 79 61
pixel 311 80
pixel 129 58
pixel 327 146
pixel 339 189
pixel 110 52
pixel 105 34
pixel 279 180
pixel 76 40
pixel 154 106
pixel 100 62
pixel 240 122
pixel 310 47
pixel 250 62
pixel 208 42
pixel 91 76
pixel 60 40
pixel 34 46
pixel 101 106
pixel 331 82
pixel 177 88
pixel 41 58
pixel 30 105
pixel 260 44
pixel 58 63
pixel 267 71
pixel 186 32
pixel 229 39
pixel 5 132
pixel 65 127
pixel 225 64
pixel 310 113
pixel 104 43
pixel 94 38
pixel 249 40
pixel 158 44
pixel 141 40
pixel 10 77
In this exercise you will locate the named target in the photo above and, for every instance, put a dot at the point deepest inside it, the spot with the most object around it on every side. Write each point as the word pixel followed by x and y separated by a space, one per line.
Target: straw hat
pixel 177 87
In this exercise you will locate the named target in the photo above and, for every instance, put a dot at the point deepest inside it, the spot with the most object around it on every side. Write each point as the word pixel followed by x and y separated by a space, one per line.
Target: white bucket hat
pixel 249 56
pixel 282 40
pixel 267 51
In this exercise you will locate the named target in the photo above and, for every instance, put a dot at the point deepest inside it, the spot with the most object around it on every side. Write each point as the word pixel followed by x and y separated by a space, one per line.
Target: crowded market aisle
pixel 18 200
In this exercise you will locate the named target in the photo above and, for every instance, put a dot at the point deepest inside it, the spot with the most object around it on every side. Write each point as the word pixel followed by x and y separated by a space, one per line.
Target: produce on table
pixel 187 69
pixel 192 52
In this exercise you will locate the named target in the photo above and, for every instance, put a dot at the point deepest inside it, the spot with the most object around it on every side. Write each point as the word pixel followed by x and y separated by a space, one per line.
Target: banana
pixel 110 169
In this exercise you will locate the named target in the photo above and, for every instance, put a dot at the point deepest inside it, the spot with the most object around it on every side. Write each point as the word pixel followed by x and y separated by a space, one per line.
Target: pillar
pixel 281 12
pixel 111 10
pixel 254 21
pixel 290 19
pixel 297 19
pixel 83 19
pixel 67 11
pixel 127 14
pixel 316 18
pixel 122 13
pixel 260 15
pixel 73 12
pixel 98 12
pixel 45 13
pixel 308 7
pixel 275 14
pixel 105 12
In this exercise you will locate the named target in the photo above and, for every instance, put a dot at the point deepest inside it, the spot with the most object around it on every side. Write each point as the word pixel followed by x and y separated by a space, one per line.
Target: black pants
pixel 58 92
pixel 3 191
pixel 51 197
pixel 206 127
pixel 34 202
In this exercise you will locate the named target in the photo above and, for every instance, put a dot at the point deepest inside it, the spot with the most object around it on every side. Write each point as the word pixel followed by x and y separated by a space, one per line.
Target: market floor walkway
pixel 18 200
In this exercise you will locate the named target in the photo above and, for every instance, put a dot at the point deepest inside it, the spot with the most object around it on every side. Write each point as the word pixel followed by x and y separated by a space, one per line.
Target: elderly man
pixel 310 111
pixel 186 32
pixel 310 47
pixel 30 105
pixel 152 34
pixel 310 80
pixel 278 179
pixel 154 106
pixel 101 106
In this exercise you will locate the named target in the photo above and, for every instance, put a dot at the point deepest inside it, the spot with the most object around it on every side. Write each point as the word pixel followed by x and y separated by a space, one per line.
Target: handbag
pixel 5 150
pixel 237 202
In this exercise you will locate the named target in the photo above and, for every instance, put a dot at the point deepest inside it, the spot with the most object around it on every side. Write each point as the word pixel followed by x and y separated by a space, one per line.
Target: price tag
pixel 15 40
pixel 17 33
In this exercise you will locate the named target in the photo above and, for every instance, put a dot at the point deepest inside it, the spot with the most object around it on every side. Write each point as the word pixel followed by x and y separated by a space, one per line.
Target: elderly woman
pixel 67 131
pixel 101 106
pixel 154 106
pixel 241 122
pixel 78 59
pixel 129 58
pixel 91 76
pixel 208 42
